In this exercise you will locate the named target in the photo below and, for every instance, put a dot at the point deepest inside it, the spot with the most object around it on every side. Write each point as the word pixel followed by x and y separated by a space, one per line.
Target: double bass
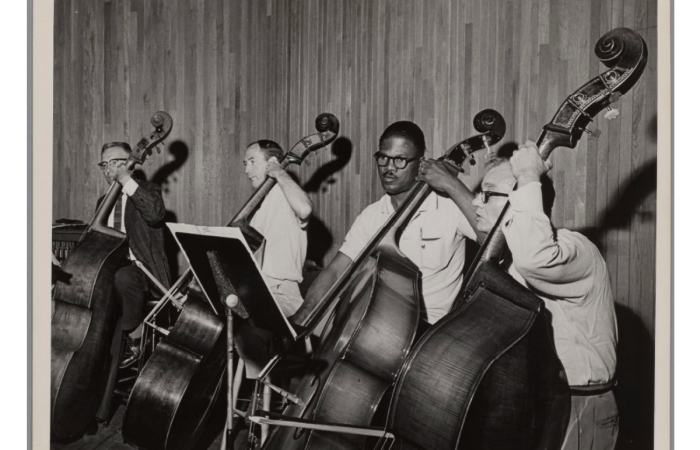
pixel 176 390
pixel 486 376
pixel 362 349
pixel 85 313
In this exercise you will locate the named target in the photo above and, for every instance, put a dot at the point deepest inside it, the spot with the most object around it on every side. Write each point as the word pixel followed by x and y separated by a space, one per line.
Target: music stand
pixel 216 251
pixel 223 264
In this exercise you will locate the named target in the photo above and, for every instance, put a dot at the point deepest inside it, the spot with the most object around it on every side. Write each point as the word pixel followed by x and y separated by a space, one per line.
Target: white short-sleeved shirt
pixel 283 258
pixel 285 237
pixel 433 240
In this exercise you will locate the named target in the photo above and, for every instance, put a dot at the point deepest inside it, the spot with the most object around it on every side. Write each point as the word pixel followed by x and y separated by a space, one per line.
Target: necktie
pixel 118 214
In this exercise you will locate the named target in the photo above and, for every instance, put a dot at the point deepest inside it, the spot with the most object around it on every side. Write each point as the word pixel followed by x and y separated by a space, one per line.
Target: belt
pixel 592 389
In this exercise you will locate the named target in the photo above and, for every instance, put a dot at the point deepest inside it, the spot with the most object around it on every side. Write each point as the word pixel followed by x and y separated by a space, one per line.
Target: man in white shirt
pixel 568 273
pixel 282 218
pixel 139 212
pixel 435 237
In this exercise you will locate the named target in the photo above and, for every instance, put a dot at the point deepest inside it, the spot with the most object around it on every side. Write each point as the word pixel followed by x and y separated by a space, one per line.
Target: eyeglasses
pixel 112 163
pixel 484 195
pixel 399 161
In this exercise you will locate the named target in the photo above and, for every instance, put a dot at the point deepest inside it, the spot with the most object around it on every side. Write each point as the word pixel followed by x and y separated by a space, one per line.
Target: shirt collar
pixel 429 204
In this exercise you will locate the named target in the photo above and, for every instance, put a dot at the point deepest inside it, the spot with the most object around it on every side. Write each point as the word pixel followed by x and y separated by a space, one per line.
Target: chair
pixel 120 381
pixel 121 386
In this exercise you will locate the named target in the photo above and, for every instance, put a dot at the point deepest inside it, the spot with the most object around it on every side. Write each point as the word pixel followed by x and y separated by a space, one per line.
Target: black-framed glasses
pixel 484 195
pixel 399 161
pixel 112 163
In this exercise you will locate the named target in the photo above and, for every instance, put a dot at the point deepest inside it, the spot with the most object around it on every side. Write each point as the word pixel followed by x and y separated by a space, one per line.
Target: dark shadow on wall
pixel 652 129
pixel 139 174
pixel 180 152
pixel 630 196
pixel 320 237
pixel 341 149
pixel 635 382
pixel 635 353
pixel 320 240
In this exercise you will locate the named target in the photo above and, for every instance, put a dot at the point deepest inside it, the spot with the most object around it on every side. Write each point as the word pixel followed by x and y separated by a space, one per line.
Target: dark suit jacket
pixel 143 221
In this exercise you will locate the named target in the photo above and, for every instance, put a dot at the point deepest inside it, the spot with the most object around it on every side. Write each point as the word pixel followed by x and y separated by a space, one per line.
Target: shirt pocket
pixel 432 242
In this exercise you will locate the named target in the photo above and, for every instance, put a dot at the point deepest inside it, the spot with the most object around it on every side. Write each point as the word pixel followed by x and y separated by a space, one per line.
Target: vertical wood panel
pixel 647 209
pixel 233 72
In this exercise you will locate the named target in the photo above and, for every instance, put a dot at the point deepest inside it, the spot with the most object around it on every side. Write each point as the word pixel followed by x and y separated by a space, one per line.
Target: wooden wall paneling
pixel 266 69
pixel 652 8
pixel 592 167
pixel 637 157
pixel 647 210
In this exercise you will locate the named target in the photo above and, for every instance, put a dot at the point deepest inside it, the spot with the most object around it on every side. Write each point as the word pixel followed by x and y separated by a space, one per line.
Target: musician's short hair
pixel 548 193
pixel 407 130
pixel 269 149
pixel 123 145
pixel 495 161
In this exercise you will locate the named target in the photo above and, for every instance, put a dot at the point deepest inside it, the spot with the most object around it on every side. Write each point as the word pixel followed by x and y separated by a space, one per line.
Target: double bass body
pixel 484 377
pixel 85 313
pixel 82 326
pixel 360 356
pixel 174 395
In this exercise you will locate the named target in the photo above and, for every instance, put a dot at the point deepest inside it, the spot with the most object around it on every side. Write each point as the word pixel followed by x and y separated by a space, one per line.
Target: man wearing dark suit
pixel 139 212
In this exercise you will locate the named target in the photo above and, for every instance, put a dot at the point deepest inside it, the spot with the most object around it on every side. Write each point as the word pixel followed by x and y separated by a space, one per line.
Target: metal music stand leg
pixel 232 394
pixel 267 400
pixel 252 440
pixel 234 379
pixel 262 380
pixel 237 380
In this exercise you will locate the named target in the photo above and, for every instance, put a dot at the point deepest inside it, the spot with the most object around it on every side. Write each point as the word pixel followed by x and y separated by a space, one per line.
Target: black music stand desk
pixel 216 251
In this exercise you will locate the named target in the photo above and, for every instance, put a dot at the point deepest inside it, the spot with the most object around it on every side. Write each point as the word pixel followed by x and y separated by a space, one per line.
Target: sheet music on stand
pixel 223 264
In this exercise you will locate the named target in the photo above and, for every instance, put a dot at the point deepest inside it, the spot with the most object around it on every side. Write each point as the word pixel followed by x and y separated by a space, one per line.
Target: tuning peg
pixel 612 113
pixel 489 152
pixel 595 134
